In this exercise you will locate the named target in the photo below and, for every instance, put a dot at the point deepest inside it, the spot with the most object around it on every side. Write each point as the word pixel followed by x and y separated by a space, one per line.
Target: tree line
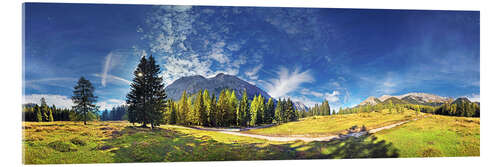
pixel 459 109
pixel 45 113
pixel 227 110
pixel 465 109
pixel 115 114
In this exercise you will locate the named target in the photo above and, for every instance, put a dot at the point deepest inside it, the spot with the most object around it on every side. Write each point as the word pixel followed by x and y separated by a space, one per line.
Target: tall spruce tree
pixel 233 104
pixel 105 116
pixel 213 111
pixel 84 99
pixel 38 114
pixel 183 109
pixel 278 112
pixel 260 109
pixel 269 111
pixel 200 117
pixel 254 109
pixel 147 96
pixel 243 110
pixel 208 106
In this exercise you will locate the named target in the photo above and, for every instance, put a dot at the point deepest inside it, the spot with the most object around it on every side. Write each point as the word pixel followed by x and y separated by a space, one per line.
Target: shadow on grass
pixel 366 146
pixel 144 145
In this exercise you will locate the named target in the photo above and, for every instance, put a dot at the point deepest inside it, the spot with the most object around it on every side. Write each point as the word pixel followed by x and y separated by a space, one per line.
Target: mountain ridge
pixel 192 84
pixel 411 98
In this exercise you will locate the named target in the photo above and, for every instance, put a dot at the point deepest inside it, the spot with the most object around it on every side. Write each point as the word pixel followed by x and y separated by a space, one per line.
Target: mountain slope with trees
pixel 193 84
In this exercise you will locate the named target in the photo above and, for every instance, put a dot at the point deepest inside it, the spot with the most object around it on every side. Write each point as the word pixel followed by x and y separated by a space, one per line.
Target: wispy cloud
pixel 252 73
pixel 114 78
pixel 57 100
pixel 107 64
pixel 287 81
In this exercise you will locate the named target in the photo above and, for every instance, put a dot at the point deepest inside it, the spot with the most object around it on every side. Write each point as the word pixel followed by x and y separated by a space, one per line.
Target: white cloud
pixel 51 99
pixel 332 97
pixel 107 64
pixel 218 53
pixel 110 103
pixel 474 98
pixel 287 82
pixel 252 73
pixel 306 101
pixel 175 67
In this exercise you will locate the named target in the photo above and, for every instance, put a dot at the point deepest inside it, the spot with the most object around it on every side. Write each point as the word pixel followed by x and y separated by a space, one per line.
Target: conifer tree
pixel 200 117
pixel 51 118
pixel 147 96
pixel 172 119
pixel 84 99
pixel 326 107
pixel 38 114
pixel 260 109
pixel 243 110
pixel 269 111
pixel 254 109
pixel 213 111
pixel 222 109
pixel 104 116
pixel 233 104
pixel 183 109
pixel 291 115
pixel 208 106
pixel 278 112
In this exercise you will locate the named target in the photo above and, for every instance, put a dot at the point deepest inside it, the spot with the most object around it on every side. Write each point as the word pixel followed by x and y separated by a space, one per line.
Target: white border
pixel 11 80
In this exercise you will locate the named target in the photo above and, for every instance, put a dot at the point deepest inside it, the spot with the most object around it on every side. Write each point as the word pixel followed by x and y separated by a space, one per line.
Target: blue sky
pixel 342 55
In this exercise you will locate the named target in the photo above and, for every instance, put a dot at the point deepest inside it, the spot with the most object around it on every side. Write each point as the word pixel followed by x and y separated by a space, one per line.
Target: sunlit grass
pixel 107 142
pixel 436 136
pixel 336 124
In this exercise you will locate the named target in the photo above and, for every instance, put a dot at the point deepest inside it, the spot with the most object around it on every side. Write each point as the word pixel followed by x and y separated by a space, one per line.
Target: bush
pixel 77 141
pixel 61 146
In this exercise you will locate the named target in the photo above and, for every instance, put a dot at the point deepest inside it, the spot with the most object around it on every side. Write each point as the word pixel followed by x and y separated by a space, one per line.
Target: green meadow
pixel 119 141
pixel 337 124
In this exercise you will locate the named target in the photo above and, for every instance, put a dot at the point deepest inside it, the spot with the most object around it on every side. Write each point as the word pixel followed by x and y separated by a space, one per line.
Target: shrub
pixel 61 146
pixel 77 141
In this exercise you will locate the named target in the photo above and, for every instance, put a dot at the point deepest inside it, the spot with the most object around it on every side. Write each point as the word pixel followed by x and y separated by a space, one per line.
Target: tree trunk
pixel 152 126
pixel 144 125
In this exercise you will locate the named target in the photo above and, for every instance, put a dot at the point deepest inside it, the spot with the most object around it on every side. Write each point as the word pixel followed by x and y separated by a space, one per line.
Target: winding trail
pixel 295 138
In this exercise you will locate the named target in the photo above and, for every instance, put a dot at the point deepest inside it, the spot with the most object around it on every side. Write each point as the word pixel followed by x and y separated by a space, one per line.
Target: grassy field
pixel 336 124
pixel 435 136
pixel 106 142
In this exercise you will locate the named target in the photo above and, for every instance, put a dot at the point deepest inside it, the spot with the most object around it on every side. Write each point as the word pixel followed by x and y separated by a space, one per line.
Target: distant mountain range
pixel 409 98
pixel 192 84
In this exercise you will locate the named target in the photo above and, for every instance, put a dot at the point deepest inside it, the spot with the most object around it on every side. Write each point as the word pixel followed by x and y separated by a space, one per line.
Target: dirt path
pixel 294 138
